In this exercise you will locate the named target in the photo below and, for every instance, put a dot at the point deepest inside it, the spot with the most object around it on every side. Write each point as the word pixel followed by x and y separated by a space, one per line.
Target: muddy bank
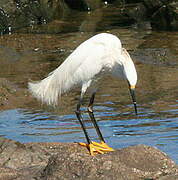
pixel 71 161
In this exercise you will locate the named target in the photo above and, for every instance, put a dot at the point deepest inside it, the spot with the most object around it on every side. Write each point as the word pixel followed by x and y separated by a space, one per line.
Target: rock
pixel 21 161
pixel 163 14
pixel 173 15
pixel 53 161
pixel 118 16
pixel 152 5
pixel 157 56
pixel 136 11
pixel 15 155
pixel 165 18
pixel 134 162
pixel 23 13
pixel 84 5
pixel 78 4
pixel 92 5
pixel 3 21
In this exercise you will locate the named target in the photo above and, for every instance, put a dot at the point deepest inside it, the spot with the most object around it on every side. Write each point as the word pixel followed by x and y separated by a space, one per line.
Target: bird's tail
pixel 46 90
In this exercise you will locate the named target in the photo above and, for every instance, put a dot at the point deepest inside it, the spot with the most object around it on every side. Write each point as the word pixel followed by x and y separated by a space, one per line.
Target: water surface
pixel 156 123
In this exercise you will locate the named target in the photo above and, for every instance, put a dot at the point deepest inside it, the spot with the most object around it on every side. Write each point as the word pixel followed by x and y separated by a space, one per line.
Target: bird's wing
pixel 91 62
pixel 86 61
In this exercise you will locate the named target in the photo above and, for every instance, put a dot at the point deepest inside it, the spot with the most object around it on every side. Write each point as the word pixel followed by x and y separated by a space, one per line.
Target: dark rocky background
pixel 16 14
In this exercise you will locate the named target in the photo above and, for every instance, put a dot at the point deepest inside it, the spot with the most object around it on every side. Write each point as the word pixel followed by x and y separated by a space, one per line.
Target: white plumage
pixel 97 56
pixel 101 53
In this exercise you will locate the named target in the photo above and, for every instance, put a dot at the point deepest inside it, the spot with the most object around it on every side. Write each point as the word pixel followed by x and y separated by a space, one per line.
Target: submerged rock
pixel 55 161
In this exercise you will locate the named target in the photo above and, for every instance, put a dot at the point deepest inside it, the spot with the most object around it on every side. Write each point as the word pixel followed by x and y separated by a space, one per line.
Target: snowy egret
pixel 101 54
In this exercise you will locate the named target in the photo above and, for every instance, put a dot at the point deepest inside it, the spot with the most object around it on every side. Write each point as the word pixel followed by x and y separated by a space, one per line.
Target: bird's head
pixel 130 74
pixel 132 93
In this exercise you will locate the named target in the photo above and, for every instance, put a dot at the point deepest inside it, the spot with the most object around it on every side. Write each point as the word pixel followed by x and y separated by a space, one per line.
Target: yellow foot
pixel 97 148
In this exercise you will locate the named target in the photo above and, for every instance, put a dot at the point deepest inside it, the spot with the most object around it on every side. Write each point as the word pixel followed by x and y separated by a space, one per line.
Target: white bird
pixel 101 54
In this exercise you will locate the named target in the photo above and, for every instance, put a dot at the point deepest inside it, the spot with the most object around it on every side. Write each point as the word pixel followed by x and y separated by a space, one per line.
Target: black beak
pixel 132 92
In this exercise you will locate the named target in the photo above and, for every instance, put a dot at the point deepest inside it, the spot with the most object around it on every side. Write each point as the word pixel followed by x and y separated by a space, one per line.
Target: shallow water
pixel 33 56
pixel 155 125
pixel 120 130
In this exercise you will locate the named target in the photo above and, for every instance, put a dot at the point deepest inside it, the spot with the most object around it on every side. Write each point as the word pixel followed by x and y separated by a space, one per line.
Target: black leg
pixel 79 117
pixel 90 111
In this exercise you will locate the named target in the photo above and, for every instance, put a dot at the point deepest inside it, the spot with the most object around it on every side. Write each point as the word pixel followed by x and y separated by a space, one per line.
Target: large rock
pixel 65 161
pixel 134 162
pixel 20 161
